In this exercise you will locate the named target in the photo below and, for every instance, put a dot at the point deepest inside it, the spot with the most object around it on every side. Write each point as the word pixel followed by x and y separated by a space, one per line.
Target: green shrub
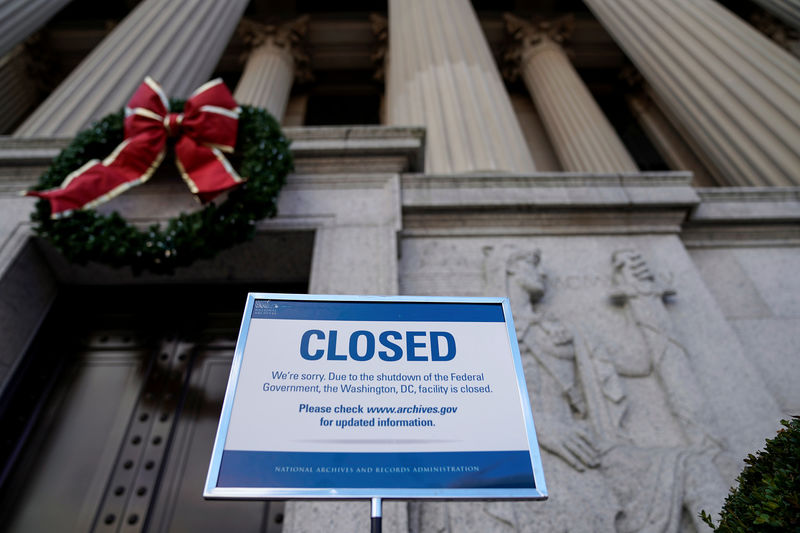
pixel 768 496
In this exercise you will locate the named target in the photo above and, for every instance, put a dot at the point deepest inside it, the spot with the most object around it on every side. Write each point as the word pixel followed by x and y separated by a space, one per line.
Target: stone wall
pixel 644 397
pixel 746 246
pixel 657 322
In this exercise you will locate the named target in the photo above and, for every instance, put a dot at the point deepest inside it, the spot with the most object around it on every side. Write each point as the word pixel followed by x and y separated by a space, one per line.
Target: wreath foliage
pixel 262 155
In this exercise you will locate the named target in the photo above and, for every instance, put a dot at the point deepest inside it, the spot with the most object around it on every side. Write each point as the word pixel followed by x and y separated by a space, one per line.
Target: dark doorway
pixel 340 97
pixel 112 420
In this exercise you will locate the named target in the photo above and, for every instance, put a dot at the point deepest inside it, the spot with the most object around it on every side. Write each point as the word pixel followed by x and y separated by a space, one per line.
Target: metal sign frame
pixel 212 491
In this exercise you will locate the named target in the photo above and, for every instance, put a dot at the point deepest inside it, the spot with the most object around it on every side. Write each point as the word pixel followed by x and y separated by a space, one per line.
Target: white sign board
pixel 366 397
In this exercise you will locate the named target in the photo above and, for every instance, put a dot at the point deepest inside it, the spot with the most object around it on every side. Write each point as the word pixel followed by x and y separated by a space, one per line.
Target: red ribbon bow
pixel 207 127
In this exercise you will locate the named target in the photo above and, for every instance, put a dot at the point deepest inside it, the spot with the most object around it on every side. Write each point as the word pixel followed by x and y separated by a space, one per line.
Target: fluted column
pixel 18 96
pixel 20 18
pixel 272 64
pixel 733 90
pixel 295 114
pixel 442 76
pixel 670 145
pixel 177 43
pixel 786 10
pixel 582 137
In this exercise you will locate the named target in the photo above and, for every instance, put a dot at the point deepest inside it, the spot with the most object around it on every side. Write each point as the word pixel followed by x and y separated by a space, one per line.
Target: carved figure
pixel 636 289
pixel 551 357
pixel 599 478
pixel 580 500
pixel 580 404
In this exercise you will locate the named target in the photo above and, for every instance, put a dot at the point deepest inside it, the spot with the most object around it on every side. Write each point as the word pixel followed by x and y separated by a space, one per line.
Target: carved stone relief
pixel 580 397
pixel 636 288
pixel 694 479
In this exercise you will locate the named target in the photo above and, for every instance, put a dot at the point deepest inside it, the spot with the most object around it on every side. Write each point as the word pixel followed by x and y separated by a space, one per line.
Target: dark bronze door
pixel 115 416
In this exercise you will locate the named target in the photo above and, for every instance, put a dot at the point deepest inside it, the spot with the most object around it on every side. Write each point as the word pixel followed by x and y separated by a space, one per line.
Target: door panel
pixel 123 439
pixel 73 449
pixel 180 505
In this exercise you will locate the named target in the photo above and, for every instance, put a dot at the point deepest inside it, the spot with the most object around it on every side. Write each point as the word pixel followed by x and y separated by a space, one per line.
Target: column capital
pixel 289 36
pixel 380 29
pixel 532 36
pixel 582 136
pixel 781 33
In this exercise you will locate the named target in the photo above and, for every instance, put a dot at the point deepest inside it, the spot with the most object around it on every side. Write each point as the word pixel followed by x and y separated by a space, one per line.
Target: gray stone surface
pixel 550 189
pixel 312 517
pixel 748 204
pixel 578 270
pixel 731 321
pixel 773 346
pixel 754 217
pixel 358 149
pixel 755 289
pixel 613 391
pixel 579 281
pixel 737 295
pixel 774 273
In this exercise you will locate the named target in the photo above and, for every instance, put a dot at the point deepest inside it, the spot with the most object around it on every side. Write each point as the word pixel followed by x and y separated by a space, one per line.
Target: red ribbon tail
pixel 90 185
pixel 205 170
pixel 130 164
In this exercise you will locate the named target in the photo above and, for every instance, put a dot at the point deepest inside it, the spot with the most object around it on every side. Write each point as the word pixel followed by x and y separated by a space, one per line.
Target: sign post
pixel 347 397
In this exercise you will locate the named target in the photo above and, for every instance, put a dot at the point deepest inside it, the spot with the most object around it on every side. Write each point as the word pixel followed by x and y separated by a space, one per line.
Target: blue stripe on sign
pixel 437 470
pixel 379 311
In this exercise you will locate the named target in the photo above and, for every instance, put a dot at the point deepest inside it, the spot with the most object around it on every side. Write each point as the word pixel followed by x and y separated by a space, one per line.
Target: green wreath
pixel 261 154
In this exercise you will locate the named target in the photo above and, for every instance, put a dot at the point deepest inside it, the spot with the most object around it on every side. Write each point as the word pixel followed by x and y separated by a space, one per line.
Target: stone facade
pixel 658 322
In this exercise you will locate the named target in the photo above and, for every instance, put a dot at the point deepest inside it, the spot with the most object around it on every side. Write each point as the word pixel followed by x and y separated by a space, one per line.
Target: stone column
pixel 786 10
pixel 16 88
pixel 380 58
pixel 275 60
pixel 176 43
pixel 582 137
pixel 20 18
pixel 295 113
pixel 666 140
pixel 734 91
pixel 442 76
pixel 535 134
